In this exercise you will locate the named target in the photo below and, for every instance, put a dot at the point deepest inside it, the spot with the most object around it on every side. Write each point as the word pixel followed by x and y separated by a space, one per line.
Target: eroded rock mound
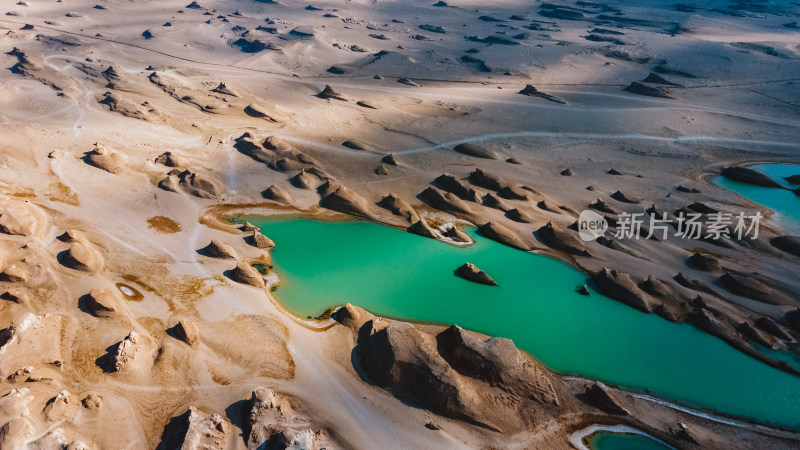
pixel 170 159
pixel 561 239
pixel 246 274
pixel 258 240
pixel 422 228
pixel 488 181
pixel 273 421
pixel 277 193
pixel 452 184
pixel 444 201
pixel 475 150
pixel 101 303
pixel 789 244
pixel 192 183
pixel 195 430
pixel 751 287
pixel 21 218
pixel 706 263
pixel 186 330
pixel 600 396
pixel 650 91
pixel 82 256
pixel 342 199
pixel 749 176
pixel 260 112
pixel 106 159
pixel 453 373
pixel 503 235
pixel 469 271
pixel 620 286
pixel 399 207
pixel 218 249
pixel 330 93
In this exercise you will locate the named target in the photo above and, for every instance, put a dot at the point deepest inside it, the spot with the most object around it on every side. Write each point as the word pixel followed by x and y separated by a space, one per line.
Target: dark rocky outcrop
pixel 192 183
pixel 562 240
pixel 491 201
pixel 469 271
pixel 601 397
pixel 512 192
pixel 751 287
pixel 706 263
pixel 444 201
pixel 330 93
pixel 258 240
pixel 789 244
pixel 399 207
pixel 602 207
pixel 620 197
pixel 186 330
pixel 620 286
pixel 749 176
pixel 650 91
pixel 422 228
pixel 531 91
pixel 517 215
pixel 485 180
pixel 456 234
pixel 452 184
pixel 453 373
pixel 770 326
pixel 708 322
pixel 748 330
pixel 195 429
pixel 170 159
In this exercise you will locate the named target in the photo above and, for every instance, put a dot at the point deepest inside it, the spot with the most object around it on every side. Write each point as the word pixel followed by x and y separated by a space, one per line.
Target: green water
pixel 617 441
pixel 402 275
pixel 786 204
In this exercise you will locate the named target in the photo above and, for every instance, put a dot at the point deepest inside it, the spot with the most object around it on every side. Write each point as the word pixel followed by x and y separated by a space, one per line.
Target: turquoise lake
pixel 786 204
pixel 618 441
pixel 401 275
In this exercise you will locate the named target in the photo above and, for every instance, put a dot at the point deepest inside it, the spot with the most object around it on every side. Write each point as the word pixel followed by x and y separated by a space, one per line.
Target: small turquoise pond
pixel 786 204
pixel 622 441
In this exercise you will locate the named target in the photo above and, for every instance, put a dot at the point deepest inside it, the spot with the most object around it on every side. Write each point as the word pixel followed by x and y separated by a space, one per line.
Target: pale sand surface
pixel 741 106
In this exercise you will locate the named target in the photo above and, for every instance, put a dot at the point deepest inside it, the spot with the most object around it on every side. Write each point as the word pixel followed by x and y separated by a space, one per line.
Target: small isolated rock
pixel 186 331
pixel 422 228
pixel 101 303
pixel 276 193
pixel 13 274
pixel 81 256
pixel 566 172
pixel 470 272
pixel 92 401
pixel 329 93
pixel 258 240
pixel 706 263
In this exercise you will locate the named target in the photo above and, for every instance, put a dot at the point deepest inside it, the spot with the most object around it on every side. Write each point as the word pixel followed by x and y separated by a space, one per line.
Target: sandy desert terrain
pixel 132 317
